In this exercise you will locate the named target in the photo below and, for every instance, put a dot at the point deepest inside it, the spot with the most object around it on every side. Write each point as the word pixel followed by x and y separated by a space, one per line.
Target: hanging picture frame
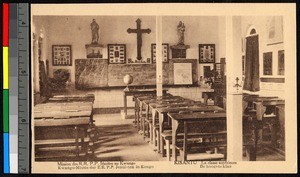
pixel 116 53
pixel 274 30
pixel 267 63
pixel 61 55
pixel 280 63
pixel 207 53
pixel 165 52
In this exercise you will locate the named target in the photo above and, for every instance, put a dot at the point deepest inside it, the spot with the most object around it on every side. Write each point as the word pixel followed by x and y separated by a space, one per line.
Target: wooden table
pixel 168 102
pixel 180 119
pixel 63 117
pixel 65 107
pixel 140 104
pixel 73 98
pixel 163 111
pixel 133 92
pixel 257 106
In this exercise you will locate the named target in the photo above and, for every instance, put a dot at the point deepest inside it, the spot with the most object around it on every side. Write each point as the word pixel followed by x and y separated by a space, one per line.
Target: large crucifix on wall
pixel 139 33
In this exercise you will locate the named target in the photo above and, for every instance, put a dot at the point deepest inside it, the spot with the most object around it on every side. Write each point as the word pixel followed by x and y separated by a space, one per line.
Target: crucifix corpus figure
pixel 180 32
pixel 95 32
pixel 139 33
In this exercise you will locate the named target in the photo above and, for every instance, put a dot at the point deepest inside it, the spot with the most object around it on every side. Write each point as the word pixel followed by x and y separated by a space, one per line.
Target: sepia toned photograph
pixel 161 91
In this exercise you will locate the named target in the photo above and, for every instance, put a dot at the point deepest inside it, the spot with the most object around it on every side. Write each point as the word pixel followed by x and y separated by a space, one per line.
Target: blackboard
pixel 97 73
pixel 143 74
pixel 91 73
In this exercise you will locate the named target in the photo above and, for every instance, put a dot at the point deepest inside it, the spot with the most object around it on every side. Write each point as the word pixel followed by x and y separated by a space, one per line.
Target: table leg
pixel 76 140
pixel 175 125
pixel 153 125
pixel 205 97
pixel 160 143
pixel 135 111
pixel 125 104
pixel 260 111
pixel 185 141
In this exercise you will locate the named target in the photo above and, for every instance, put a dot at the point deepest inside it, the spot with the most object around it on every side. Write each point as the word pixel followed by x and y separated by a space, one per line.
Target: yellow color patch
pixel 5 67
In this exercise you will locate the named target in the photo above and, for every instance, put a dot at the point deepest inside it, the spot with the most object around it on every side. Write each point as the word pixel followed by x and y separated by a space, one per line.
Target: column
pixel 234 94
pixel 159 67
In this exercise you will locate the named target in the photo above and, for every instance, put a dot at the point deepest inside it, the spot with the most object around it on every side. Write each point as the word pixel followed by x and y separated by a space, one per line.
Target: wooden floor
pixel 120 141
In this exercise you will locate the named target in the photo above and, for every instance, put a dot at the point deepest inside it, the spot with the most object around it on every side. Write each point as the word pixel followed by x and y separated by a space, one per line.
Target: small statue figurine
pixel 95 32
pixel 180 32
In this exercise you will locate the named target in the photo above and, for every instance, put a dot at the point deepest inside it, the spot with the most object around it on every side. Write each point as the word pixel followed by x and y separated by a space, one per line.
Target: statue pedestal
pixel 179 51
pixel 94 50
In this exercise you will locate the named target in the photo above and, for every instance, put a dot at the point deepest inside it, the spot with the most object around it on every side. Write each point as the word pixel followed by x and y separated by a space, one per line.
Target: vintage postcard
pixel 164 88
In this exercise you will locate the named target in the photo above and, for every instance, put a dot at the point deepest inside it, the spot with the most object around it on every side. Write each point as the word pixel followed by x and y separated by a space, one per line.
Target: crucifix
pixel 139 33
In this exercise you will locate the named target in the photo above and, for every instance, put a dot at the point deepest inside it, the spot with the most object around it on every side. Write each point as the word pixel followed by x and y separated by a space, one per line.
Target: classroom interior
pixel 103 90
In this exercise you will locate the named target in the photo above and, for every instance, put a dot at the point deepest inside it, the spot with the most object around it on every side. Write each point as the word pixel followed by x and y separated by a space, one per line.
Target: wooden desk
pixel 69 124
pixel 169 99
pixel 68 108
pixel 73 98
pixel 257 107
pixel 140 104
pixel 134 92
pixel 174 102
pixel 180 119
pixel 163 111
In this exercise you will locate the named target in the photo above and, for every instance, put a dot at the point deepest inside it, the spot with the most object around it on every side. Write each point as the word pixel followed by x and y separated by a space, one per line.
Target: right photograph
pixel 262 56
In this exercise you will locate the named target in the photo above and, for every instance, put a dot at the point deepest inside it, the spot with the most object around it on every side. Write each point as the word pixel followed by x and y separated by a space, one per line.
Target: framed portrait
pixel 207 53
pixel 165 52
pixel 61 55
pixel 116 53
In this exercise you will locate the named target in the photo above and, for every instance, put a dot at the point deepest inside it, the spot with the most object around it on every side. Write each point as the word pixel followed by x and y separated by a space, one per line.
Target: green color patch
pixel 5 111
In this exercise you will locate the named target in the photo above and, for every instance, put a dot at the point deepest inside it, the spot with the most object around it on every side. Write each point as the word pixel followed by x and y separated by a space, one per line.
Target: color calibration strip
pixel 13 87
pixel 6 163
pixel 23 71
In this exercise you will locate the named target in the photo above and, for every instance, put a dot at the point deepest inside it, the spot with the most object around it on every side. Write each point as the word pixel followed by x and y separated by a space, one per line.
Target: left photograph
pixel 104 91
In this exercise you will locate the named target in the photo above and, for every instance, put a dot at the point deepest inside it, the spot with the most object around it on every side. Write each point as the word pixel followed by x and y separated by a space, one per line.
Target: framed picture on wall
pixel 218 72
pixel 116 53
pixel 61 55
pixel 274 30
pixel 281 62
pixel 267 63
pixel 207 53
pixel 165 52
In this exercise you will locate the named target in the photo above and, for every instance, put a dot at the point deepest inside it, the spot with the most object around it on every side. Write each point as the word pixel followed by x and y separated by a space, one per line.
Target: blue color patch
pixel 6 152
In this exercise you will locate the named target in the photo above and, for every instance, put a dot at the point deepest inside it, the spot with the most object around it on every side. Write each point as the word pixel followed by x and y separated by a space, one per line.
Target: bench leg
pixel 251 153
pixel 149 132
pixel 77 140
pixel 162 149
pixel 168 150
pixel 156 138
